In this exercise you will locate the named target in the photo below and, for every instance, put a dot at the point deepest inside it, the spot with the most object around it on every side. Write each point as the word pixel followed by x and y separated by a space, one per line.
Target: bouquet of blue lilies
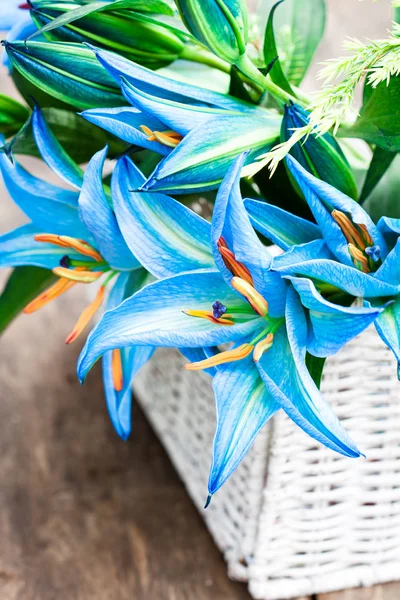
pixel 222 210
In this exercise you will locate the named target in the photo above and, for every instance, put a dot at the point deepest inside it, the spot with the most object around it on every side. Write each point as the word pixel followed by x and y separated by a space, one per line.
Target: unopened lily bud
pixel 222 25
pixel 320 155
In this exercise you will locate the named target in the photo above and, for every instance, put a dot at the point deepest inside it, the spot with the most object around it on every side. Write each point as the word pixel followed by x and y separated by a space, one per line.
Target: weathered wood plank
pixel 389 591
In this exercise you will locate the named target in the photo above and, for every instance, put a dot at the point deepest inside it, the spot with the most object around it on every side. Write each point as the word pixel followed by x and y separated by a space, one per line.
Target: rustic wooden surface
pixel 84 516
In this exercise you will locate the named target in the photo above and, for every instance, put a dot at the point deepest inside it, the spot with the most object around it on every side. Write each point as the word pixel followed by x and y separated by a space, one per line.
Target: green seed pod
pixel 222 25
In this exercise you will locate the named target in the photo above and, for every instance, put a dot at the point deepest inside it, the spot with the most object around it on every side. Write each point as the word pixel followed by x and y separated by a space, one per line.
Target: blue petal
pixel 179 116
pixel 152 82
pixel 231 221
pixel 280 226
pixel 53 153
pixel 303 252
pixel 125 123
pixel 287 379
pixel 390 229
pixel 332 325
pixel 97 214
pixel 52 209
pixel 202 158
pixel 154 316
pixel 346 278
pixel 119 404
pixel 322 198
pixel 388 326
pixel 19 248
pixel 390 269
pixel 165 236
pixel 243 407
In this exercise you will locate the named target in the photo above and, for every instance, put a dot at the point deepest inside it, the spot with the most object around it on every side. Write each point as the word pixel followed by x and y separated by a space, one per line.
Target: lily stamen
pixel 168 138
pixel 56 290
pixel 359 259
pixel 78 275
pixel 117 371
pixel 234 266
pixel 204 314
pixel 256 301
pixel 262 347
pixel 222 358
pixel 65 241
pixel 86 316
pixel 352 235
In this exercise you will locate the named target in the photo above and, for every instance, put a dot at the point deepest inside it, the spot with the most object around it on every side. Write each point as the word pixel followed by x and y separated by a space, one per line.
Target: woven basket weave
pixel 295 518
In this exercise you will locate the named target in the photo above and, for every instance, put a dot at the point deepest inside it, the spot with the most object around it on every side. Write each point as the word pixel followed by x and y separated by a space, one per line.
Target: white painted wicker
pixel 295 519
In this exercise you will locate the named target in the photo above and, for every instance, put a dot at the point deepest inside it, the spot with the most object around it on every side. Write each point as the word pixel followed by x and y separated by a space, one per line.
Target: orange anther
pixel 86 316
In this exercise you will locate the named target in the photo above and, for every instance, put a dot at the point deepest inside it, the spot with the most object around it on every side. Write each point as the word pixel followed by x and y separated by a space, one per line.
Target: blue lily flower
pixel 61 219
pixel 364 257
pixel 242 302
pixel 198 131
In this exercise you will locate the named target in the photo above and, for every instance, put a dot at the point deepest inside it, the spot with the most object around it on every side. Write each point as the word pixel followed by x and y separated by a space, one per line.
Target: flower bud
pixel 321 156
pixel 138 36
pixel 222 25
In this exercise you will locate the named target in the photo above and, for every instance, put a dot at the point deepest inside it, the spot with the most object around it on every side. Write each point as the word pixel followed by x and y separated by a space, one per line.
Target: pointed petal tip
pixel 208 501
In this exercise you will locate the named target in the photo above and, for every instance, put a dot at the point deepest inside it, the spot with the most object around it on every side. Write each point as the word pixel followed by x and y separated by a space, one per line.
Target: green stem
pixel 245 65
pixel 203 56
pixel 273 328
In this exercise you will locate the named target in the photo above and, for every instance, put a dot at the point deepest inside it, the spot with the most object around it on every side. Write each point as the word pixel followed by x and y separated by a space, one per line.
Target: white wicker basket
pixel 295 519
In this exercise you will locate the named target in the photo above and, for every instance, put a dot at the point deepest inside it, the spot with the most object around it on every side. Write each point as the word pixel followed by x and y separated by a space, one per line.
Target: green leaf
pixel 68 72
pixel 384 199
pixel 315 367
pixel 381 161
pixel 69 127
pixel 298 28
pixel 23 285
pixel 271 53
pixel 379 121
pixel 12 115
pixel 152 6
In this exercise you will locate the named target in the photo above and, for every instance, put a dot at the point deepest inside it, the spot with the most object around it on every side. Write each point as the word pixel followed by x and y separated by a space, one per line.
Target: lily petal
pixel 19 248
pixel 152 82
pixel 390 269
pixel 388 327
pixel 286 377
pixel 202 158
pixel 322 199
pixel 53 153
pixel 179 116
pixel 332 325
pixel 231 221
pixel 125 123
pixel 315 250
pixel 279 226
pixel 348 279
pixel 154 317
pixel 119 403
pixel 166 237
pixel 243 407
pixel 97 214
pixel 52 209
